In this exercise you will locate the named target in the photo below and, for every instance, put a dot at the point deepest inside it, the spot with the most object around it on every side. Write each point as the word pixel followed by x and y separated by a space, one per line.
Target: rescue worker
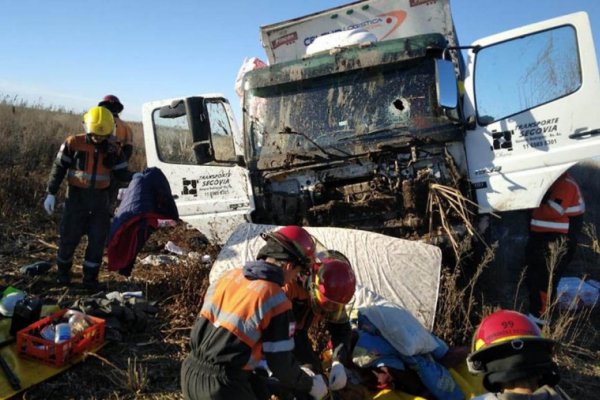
pixel 559 216
pixel 123 132
pixel 323 295
pixel 124 139
pixel 87 160
pixel 515 360
pixel 245 316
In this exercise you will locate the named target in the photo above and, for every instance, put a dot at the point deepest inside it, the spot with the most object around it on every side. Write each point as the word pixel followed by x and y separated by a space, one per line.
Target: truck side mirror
pixel 446 84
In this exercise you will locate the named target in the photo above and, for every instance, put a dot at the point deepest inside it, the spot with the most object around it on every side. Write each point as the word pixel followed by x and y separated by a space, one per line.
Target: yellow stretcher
pixel 29 372
pixel 470 385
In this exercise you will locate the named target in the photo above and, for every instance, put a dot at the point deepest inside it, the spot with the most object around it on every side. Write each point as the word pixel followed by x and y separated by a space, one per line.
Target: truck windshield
pixel 342 115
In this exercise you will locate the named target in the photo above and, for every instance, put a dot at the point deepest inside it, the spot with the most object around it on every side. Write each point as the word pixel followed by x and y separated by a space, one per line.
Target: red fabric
pixel 124 246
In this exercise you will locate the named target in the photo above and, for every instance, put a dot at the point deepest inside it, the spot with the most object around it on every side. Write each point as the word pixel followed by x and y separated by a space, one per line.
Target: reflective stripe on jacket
pixel 563 200
pixel 86 164
pixel 245 308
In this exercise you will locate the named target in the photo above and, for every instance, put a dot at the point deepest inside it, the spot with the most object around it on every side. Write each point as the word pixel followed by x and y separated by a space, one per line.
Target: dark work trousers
pixel 538 273
pixel 205 381
pixel 86 213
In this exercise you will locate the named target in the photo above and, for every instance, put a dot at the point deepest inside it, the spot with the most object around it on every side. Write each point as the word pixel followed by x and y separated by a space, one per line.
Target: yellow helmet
pixel 99 121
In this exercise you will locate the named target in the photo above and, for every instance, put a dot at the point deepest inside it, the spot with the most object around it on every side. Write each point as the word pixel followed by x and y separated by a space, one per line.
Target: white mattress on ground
pixel 403 272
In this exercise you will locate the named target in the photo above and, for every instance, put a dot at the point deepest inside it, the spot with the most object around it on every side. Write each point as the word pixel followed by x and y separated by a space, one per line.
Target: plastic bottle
pixel 173 248
pixel 48 332
pixel 62 332
pixel 78 323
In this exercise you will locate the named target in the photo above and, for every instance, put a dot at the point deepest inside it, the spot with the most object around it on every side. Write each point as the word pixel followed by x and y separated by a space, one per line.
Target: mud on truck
pixel 367 117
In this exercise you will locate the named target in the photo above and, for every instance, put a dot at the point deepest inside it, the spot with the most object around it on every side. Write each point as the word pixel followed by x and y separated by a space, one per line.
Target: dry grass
pixel 147 364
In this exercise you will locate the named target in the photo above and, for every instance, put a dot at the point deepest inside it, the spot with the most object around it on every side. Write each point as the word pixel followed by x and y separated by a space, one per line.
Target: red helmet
pixel 332 286
pixel 111 102
pixel 296 241
pixel 509 346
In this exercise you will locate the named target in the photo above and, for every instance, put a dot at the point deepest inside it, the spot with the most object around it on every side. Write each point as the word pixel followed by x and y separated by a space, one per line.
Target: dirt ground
pixel 144 364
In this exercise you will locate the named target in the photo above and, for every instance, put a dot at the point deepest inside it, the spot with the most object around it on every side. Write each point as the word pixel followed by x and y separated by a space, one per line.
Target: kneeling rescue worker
pixel 323 296
pixel 514 359
pixel 246 316
pixel 87 160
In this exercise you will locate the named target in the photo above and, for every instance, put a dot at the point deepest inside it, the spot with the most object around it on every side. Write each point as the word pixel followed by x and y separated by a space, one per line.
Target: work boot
pixel 64 274
pixel 90 278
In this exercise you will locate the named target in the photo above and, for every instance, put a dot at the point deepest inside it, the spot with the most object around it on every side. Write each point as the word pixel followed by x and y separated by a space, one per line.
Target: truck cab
pixel 388 135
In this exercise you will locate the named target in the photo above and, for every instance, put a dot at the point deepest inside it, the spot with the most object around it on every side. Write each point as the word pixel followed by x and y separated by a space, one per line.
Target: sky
pixel 70 53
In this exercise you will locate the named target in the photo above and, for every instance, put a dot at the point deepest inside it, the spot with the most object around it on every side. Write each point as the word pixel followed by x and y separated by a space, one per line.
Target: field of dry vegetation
pixel 145 364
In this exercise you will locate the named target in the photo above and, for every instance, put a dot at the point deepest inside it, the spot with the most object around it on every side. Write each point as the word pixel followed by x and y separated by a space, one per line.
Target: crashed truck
pixel 372 116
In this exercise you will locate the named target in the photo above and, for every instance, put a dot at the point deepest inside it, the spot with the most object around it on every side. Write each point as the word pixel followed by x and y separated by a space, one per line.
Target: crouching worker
pixel 322 295
pixel 514 359
pixel 87 160
pixel 246 316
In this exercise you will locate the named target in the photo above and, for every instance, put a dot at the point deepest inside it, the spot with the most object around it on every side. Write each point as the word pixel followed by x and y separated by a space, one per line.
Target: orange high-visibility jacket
pixel 245 308
pixel 123 132
pixel 563 200
pixel 86 164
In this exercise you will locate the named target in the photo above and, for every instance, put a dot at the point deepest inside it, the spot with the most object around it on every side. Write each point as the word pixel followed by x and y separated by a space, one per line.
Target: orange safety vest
pixel 295 292
pixel 564 200
pixel 245 308
pixel 93 173
pixel 123 132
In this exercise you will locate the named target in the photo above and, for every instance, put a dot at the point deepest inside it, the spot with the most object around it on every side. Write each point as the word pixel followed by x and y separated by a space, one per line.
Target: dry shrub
pixel 187 281
pixel 589 230
pixel 133 379
pixel 454 320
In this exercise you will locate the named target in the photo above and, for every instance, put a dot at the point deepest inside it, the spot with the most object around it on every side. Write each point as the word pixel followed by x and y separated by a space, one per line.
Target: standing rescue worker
pixel 123 132
pixel 514 359
pixel 245 316
pixel 559 217
pixel 87 160
pixel 124 139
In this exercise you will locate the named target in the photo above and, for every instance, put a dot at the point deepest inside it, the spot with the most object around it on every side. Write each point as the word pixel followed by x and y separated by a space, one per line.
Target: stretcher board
pixel 404 272
pixel 29 372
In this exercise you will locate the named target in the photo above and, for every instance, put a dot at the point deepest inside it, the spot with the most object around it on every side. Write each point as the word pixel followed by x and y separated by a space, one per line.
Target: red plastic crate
pixel 31 345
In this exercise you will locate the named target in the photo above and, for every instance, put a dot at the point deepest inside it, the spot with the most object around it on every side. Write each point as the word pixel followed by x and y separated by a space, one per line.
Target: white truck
pixel 360 135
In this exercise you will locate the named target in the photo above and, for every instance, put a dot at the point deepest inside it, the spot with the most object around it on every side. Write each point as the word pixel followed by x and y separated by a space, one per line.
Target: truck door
pixel 531 101
pixel 196 143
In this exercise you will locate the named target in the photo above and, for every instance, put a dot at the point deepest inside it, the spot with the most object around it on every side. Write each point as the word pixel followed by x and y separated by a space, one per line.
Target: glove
pixel 49 203
pixel 337 376
pixel 319 388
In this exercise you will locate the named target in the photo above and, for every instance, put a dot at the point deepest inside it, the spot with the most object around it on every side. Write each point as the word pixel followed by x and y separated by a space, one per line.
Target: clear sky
pixel 71 53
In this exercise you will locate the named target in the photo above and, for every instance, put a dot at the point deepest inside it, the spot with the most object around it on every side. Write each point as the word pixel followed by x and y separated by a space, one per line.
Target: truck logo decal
pixel 393 18
pixel 285 39
pixel 502 140
pixel 209 185
pixel 488 170
pixel 538 133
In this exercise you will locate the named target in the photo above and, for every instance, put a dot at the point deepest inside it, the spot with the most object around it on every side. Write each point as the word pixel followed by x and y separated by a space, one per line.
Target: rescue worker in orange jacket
pixel 123 136
pixel 123 132
pixel 559 216
pixel 87 160
pixel 246 316
pixel 322 295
